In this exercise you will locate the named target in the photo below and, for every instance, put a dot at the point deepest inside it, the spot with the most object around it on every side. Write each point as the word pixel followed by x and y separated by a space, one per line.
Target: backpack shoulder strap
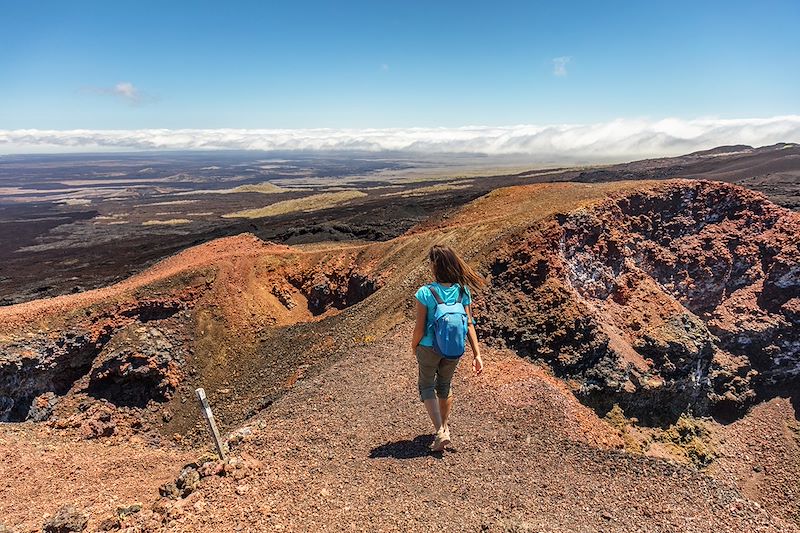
pixel 460 293
pixel 435 295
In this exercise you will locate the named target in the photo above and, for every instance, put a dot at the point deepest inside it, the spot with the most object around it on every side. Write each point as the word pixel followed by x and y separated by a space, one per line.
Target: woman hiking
pixel 444 319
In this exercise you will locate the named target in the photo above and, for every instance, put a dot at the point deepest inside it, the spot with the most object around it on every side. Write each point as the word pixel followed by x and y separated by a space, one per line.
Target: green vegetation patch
pixel 263 188
pixel 169 222
pixel 430 189
pixel 315 202
pixel 690 438
pixel 616 418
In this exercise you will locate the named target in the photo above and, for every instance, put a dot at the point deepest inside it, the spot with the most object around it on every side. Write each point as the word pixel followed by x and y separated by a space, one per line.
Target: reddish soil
pixel 42 470
pixel 761 454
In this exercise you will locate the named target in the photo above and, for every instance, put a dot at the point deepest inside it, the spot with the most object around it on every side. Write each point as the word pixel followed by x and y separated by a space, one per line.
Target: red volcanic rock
pixel 335 289
pixel 68 519
pixel 98 423
pixel 688 285
pixel 139 364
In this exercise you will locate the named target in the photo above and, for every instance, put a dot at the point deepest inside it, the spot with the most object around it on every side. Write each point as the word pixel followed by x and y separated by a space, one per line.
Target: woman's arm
pixel 419 326
pixel 477 361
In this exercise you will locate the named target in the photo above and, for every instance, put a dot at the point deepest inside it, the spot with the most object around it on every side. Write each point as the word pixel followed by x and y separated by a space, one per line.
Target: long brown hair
pixel 448 267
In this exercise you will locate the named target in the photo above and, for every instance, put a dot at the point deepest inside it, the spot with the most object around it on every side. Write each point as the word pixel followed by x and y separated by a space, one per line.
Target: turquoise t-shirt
pixel 449 295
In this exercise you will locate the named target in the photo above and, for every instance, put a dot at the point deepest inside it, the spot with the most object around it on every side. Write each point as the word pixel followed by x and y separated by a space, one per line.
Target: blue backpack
pixel 449 326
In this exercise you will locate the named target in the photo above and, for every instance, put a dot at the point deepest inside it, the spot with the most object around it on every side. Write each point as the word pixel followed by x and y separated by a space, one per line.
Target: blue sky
pixel 127 65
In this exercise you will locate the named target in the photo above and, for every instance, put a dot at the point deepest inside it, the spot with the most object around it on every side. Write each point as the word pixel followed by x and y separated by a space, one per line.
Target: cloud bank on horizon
pixel 617 140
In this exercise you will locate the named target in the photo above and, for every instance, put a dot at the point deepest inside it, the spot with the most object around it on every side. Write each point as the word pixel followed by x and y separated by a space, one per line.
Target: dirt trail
pixel 346 451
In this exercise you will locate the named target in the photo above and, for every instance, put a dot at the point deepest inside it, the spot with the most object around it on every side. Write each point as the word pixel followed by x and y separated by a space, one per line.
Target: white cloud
pixel 560 65
pixel 124 91
pixel 127 91
pixel 618 140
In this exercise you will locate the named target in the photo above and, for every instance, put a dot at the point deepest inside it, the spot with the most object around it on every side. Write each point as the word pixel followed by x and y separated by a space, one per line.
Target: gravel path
pixel 346 451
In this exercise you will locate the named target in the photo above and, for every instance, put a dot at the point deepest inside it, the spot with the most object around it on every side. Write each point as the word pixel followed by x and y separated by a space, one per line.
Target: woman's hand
pixel 477 364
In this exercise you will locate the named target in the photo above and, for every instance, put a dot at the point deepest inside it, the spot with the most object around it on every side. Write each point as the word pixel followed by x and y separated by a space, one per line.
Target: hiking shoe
pixel 447 434
pixel 442 439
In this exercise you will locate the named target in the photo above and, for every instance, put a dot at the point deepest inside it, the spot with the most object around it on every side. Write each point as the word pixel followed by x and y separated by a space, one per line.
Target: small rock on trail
pixel 68 519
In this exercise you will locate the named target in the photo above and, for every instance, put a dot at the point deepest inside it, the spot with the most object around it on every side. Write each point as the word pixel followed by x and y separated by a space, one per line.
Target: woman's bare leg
pixel 432 406
pixel 444 409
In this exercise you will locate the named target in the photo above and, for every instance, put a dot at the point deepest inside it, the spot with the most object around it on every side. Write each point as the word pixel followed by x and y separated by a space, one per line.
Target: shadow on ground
pixel 405 449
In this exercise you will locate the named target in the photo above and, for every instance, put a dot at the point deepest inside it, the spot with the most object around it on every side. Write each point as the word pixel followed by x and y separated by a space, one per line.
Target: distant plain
pixel 74 222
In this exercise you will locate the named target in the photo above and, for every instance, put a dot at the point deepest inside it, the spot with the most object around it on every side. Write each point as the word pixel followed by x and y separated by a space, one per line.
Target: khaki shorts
pixel 435 373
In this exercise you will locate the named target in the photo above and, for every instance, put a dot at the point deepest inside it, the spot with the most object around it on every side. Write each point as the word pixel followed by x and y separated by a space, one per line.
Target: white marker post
pixel 212 425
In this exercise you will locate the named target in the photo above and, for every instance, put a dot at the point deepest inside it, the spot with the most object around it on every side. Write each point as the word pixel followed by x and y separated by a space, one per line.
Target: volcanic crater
pixel 681 297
